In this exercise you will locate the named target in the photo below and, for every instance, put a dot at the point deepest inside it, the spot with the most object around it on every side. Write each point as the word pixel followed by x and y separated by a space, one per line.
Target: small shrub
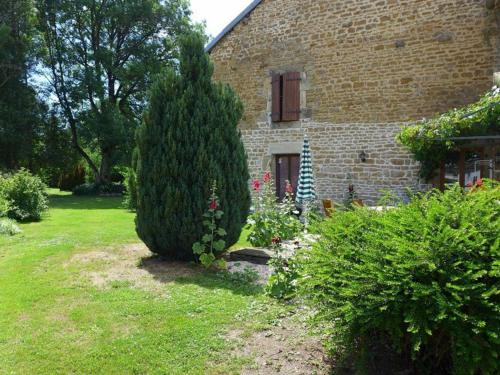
pixel 70 180
pixel 4 207
pixel 130 196
pixel 114 188
pixel 91 189
pixel 86 189
pixel 9 227
pixel 423 275
pixel 26 196
pixel 272 219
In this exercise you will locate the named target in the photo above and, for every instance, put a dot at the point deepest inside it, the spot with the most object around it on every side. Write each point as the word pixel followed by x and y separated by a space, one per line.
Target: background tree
pixel 19 108
pixel 100 56
pixel 188 139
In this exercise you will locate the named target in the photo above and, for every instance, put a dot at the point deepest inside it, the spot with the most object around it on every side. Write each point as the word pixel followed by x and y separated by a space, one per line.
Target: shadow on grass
pixel 166 271
pixel 72 202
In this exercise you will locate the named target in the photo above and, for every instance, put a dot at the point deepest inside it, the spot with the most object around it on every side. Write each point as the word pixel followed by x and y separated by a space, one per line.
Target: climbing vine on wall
pixel 430 140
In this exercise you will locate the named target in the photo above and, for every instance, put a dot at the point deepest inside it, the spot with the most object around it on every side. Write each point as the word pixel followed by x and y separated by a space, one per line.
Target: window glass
pixel 452 168
pixel 473 168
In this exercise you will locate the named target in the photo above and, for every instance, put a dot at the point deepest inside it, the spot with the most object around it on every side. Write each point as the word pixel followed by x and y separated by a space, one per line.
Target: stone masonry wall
pixel 368 66
pixel 336 162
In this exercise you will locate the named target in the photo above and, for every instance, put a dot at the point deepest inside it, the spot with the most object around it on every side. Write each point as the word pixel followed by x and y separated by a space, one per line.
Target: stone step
pixel 252 255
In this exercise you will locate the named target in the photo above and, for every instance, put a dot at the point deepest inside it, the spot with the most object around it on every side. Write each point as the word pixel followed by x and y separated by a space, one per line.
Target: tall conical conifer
pixel 188 139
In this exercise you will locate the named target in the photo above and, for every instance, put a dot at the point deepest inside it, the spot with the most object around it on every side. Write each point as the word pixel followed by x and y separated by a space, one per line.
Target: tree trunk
pixel 106 166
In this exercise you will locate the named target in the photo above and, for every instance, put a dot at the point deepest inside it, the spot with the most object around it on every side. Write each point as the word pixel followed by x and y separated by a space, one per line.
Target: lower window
pixel 287 169
pixel 468 166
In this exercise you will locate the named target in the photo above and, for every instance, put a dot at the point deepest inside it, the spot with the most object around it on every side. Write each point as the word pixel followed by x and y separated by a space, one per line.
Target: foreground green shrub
pixel 26 196
pixel 425 276
pixel 188 139
pixel 8 227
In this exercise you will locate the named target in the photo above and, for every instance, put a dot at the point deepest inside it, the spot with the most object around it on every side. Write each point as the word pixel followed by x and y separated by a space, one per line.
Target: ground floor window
pixel 287 169
pixel 468 165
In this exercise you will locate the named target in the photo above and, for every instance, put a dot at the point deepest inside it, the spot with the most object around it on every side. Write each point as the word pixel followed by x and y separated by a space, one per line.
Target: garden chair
pixel 328 207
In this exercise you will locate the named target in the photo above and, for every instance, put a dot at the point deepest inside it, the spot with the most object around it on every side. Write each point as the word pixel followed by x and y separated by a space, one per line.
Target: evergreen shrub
pixel 425 275
pixel 188 139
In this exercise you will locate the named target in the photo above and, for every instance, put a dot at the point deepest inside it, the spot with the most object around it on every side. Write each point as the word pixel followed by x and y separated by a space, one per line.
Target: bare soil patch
pixel 131 265
pixel 285 348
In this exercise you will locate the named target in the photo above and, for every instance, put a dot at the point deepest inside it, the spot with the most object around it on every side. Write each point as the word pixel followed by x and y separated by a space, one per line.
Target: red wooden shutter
pixel 276 98
pixel 291 97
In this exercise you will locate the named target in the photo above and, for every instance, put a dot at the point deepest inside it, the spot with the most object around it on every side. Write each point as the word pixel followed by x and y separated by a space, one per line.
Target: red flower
pixel 289 188
pixel 213 205
pixel 267 177
pixel 479 182
pixel 256 185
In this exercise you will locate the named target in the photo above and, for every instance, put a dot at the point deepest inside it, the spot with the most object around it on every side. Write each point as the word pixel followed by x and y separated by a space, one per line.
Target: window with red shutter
pixel 291 97
pixel 276 105
pixel 286 97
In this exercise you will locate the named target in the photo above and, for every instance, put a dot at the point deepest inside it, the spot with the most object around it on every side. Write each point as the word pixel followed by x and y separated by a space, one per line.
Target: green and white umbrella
pixel 306 191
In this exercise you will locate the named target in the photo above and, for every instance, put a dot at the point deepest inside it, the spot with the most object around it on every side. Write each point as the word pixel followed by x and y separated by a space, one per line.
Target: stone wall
pixel 367 67
pixel 336 161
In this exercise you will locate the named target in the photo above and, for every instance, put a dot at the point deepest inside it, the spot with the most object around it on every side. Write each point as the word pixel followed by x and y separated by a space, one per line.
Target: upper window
pixel 286 97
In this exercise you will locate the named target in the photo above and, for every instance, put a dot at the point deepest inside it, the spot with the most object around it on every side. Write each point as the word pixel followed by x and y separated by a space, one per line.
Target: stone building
pixel 349 75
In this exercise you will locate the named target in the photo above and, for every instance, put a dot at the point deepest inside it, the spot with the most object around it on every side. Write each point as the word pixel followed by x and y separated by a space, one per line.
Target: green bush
pixel 188 139
pixel 424 275
pixel 86 189
pixel 26 196
pixel 130 179
pixel 70 180
pixel 8 227
pixel 4 206
pixel 91 189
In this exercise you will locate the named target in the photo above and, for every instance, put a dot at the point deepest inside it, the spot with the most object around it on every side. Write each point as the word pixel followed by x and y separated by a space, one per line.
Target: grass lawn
pixel 78 294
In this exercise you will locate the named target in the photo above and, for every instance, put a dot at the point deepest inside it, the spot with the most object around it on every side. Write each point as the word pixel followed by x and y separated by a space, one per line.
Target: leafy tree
pixel 188 139
pixel 19 108
pixel 101 56
pixel 56 161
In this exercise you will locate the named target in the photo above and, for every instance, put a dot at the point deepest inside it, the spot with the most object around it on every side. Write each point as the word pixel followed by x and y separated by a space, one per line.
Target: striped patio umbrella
pixel 306 191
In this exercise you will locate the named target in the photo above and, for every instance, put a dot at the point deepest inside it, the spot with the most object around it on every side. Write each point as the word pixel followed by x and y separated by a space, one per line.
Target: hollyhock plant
pixel 212 243
pixel 272 219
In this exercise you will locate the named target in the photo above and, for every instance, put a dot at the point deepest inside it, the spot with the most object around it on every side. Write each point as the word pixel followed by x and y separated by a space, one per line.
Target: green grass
pixel 243 241
pixel 54 319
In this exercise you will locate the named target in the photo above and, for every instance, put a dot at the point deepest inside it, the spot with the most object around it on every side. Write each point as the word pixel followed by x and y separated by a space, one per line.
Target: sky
pixel 217 13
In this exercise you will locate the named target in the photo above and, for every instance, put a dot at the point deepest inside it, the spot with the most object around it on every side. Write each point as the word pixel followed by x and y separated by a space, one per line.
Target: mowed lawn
pixel 79 294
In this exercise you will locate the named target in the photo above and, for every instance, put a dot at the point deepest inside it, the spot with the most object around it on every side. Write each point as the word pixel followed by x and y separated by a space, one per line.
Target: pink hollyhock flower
pixel 256 185
pixel 267 177
pixel 289 188
pixel 213 205
pixel 479 182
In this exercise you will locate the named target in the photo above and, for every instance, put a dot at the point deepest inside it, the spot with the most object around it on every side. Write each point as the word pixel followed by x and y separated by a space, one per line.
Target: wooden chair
pixel 328 207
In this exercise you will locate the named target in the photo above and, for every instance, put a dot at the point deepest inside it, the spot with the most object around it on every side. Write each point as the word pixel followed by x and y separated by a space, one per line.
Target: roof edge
pixel 232 25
